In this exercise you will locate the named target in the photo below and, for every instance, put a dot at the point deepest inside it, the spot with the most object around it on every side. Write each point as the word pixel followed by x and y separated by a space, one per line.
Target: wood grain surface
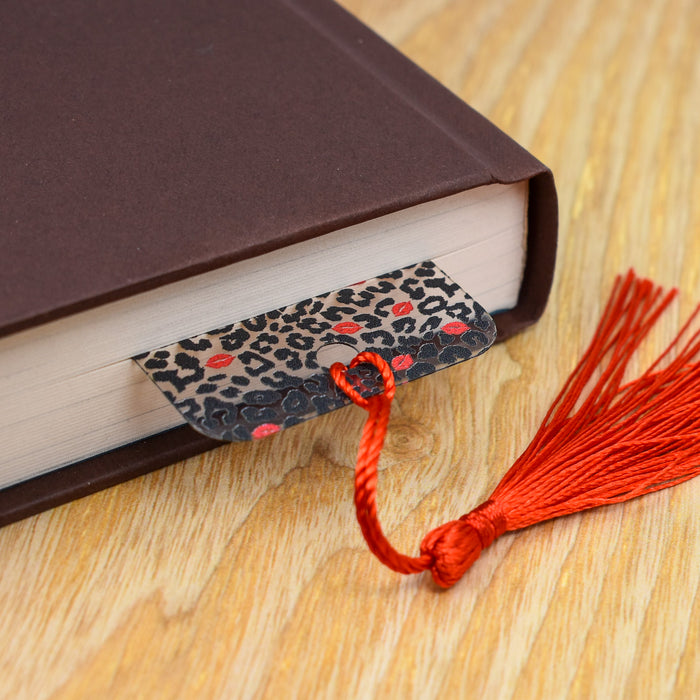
pixel 242 573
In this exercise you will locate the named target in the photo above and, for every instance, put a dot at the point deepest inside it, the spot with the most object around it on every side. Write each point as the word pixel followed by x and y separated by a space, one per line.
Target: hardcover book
pixel 169 168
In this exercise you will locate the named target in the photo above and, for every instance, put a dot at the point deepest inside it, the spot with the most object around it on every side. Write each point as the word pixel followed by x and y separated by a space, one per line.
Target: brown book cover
pixel 143 143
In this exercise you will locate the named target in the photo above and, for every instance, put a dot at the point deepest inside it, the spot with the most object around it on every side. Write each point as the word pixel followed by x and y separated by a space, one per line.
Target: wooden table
pixel 242 573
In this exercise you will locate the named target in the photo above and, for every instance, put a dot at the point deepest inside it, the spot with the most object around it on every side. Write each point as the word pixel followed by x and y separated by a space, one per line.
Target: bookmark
pixel 604 440
pixel 253 378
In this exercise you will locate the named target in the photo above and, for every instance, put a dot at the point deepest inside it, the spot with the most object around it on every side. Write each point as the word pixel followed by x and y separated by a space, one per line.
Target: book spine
pixel 538 274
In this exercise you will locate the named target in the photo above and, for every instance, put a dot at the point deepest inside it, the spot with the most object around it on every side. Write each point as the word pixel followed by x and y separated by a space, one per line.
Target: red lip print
pixel 346 327
pixel 455 328
pixel 264 430
pixel 402 362
pixel 221 360
pixel 402 308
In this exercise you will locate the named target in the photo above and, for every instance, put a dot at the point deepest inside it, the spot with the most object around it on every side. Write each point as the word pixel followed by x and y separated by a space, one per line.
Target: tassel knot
pixel 456 545
pixel 488 520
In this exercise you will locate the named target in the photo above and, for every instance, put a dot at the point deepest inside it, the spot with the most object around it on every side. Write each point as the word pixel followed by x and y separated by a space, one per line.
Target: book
pixel 170 168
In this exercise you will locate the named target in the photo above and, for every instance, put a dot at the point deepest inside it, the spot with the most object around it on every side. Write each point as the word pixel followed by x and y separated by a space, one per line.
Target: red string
pixel 371 444
pixel 602 441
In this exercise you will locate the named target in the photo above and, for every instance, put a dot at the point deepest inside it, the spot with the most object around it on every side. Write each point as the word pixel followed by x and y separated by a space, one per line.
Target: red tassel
pixel 602 441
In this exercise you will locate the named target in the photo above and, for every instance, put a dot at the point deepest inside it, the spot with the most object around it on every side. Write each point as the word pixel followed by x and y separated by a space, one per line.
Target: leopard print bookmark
pixel 269 372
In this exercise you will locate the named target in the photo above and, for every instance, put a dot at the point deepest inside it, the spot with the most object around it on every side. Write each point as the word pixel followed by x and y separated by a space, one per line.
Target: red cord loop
pixel 371 442
pixel 449 550
pixel 338 370
pixel 338 374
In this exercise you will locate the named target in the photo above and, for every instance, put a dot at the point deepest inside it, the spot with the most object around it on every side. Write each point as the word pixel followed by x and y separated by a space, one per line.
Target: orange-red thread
pixel 604 440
